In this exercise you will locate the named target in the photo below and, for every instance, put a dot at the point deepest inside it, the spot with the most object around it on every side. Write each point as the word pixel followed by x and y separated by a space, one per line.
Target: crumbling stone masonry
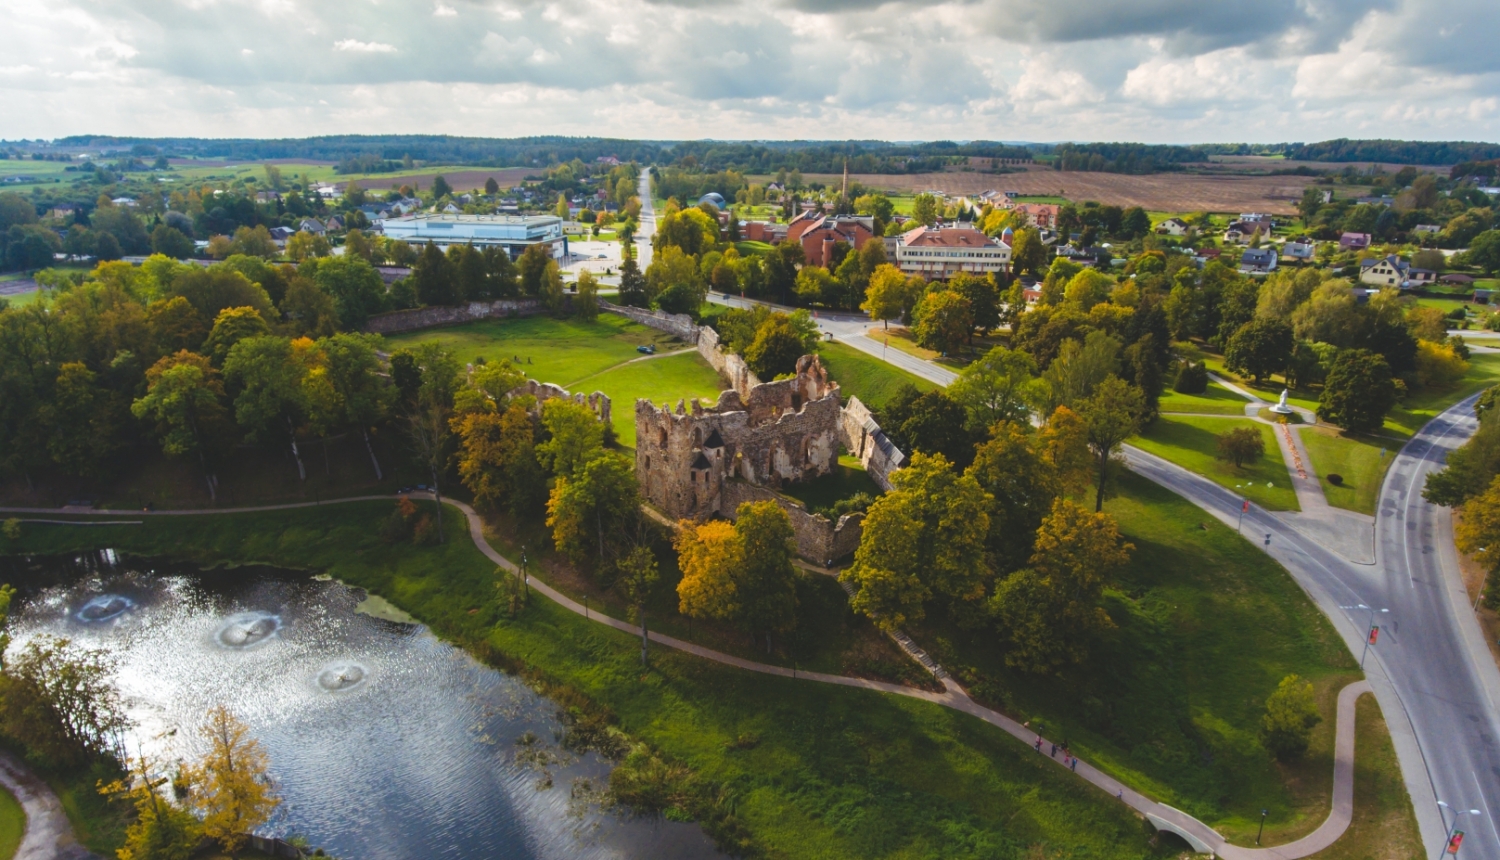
pixel 598 402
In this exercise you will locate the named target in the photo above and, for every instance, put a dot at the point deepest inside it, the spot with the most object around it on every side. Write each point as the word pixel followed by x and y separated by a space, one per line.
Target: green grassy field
pixel 1217 400
pixel 828 772
pixel 1190 442
pixel 1360 460
pixel 1384 825
pixel 660 380
pixel 12 824
pixel 17 300
pixel 1170 701
pixel 1446 305
pixel 746 248
pixel 862 375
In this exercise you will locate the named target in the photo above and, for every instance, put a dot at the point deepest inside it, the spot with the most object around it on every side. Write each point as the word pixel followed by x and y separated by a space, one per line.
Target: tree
pixel 553 296
pixel 1013 467
pixel 270 397
pixel 766 585
pixel 310 311
pixel 632 285
pixel 1050 611
pixel 776 348
pixel 1260 348
pixel 1001 386
pixel 600 499
pixel 61 704
pixel 816 286
pixel 432 277
pixel 638 575
pixel 1240 445
pixel 885 298
pixel 232 326
pixel 1291 713
pixel 926 209
pixel 983 298
pixel 1484 251
pixel 1088 288
pixel 184 399
pixel 15 210
pixel 162 830
pixel 1358 391
pixel 1439 365
pixel 1065 437
pixel 1080 367
pixel 574 436
pixel 932 423
pixel 533 268
pixel 355 286
pixel 440 188
pixel 171 241
pixel 306 245
pixel 491 187
pixel 1110 416
pixel 1135 223
pixel 354 372
pixel 255 242
pixel 924 539
pixel 944 321
pixel 429 409
pixel 709 555
pixel 234 792
pixel 1192 378
pixel 586 302
pixel 1027 255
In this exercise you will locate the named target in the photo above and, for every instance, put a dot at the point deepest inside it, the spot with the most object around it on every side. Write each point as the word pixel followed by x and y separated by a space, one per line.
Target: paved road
pixel 48 836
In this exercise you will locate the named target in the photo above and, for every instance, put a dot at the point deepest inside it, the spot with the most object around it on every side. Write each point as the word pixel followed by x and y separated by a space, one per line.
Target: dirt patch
pixel 1163 192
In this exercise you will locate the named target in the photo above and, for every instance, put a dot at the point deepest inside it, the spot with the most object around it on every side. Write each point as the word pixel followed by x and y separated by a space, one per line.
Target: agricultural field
pixel 1165 192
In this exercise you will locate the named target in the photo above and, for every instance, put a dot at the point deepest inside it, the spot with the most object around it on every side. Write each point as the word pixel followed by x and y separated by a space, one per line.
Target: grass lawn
pixel 1422 406
pixel 1190 442
pixel 746 248
pixel 1357 458
pixel 862 375
pixel 1446 305
pixel 847 479
pixel 559 351
pixel 17 300
pixel 660 380
pixel 1216 400
pixel 811 770
pixel 1171 700
pixel 1384 824
pixel 12 824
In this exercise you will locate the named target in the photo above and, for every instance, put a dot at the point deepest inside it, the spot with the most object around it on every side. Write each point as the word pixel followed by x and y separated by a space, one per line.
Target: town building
pixel 818 234
pixel 1258 261
pixel 939 253
pixel 1384 272
pixel 1299 250
pixel 1354 241
pixel 514 233
pixel 1172 227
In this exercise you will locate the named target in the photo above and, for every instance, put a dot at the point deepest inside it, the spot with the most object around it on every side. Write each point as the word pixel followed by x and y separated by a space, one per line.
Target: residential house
pixel 450 209
pixel 1427 228
pixel 1172 227
pixel 1202 256
pixel 1258 261
pixel 313 226
pixel 610 160
pixel 267 196
pixel 124 201
pixel 279 235
pixel 1390 271
pixel 1376 201
pixel 1267 223
pixel 1042 215
pixel 1354 241
pixel 939 253
pixel 762 231
pixel 1417 278
pixel 335 222
pixel 1460 280
pixel 63 211
pixel 1301 250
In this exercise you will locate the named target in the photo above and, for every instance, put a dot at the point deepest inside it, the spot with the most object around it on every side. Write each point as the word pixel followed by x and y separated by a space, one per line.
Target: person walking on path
pixel 1054 750
pixel 1075 764
pixel 1038 743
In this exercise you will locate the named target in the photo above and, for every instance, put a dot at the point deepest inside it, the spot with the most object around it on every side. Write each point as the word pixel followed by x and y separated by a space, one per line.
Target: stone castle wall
pixel 435 316
pixel 864 439
pixel 677 325
pixel 598 402
pixel 819 540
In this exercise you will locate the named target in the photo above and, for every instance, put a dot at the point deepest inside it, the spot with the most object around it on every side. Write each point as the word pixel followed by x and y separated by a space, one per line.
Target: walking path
pixel 48 835
pixel 1200 836
pixel 1348 533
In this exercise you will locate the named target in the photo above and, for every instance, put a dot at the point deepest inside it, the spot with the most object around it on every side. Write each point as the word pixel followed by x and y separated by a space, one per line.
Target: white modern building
pixel 514 233
pixel 939 253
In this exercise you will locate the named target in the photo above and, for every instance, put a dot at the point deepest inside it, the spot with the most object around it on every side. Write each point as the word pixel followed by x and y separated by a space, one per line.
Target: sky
pixel 1159 71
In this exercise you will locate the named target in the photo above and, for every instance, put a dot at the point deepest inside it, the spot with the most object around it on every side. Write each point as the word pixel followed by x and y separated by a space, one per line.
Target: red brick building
pixel 818 233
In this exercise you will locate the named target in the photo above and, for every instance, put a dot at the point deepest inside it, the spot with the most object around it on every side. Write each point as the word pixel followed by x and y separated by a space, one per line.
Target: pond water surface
pixel 385 742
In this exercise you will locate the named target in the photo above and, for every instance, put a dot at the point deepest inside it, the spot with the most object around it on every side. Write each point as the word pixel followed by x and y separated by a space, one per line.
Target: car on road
pixel 646 349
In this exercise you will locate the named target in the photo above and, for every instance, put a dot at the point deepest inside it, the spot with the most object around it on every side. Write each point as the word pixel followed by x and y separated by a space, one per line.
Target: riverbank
pixel 807 770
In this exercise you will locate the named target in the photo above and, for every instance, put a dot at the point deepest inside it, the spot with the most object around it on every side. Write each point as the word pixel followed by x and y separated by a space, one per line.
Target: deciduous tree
pixel 1240 445
pixel 1001 386
pixel 1022 481
pixel 1110 416
pixel 1291 713
pixel 233 788
pixel 1260 348
pixel 596 502
pixel 574 436
pixel 1358 392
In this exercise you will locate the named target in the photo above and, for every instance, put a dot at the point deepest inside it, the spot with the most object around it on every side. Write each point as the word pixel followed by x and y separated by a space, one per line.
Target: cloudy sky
pixel 1150 70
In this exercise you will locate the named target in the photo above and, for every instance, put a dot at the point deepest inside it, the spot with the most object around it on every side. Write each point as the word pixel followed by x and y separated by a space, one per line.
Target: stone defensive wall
pixel 392 322
pixel 598 402
pixel 677 325
pixel 864 439
pixel 818 539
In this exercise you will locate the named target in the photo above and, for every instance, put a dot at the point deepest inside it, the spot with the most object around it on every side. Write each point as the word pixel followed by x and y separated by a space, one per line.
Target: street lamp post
pixel 1262 825
pixel 1450 829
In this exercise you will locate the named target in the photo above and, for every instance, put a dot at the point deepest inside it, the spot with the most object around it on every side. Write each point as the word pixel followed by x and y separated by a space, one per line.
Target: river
pixel 385 742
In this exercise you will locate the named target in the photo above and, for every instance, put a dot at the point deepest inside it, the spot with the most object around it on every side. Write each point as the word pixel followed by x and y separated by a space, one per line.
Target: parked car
pixel 646 348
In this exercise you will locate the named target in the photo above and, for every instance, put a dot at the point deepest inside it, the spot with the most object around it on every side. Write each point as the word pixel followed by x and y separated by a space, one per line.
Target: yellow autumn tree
pixel 233 789
pixel 1067 445
pixel 708 554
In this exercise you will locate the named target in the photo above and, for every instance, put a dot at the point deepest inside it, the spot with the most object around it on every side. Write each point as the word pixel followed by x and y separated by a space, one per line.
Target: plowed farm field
pixel 1163 192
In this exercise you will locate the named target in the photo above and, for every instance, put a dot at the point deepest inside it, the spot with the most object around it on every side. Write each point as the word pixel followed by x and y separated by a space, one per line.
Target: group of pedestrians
pixel 1069 760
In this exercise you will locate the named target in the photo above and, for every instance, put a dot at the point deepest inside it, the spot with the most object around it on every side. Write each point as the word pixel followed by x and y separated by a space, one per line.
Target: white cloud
pixel 355 46
pixel 1153 70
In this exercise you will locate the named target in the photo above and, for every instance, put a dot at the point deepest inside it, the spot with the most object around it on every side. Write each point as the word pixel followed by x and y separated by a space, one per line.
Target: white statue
pixel 1281 408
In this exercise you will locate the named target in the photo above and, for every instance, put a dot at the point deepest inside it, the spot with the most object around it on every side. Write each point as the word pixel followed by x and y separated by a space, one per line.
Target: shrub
pixel 398 526
pixel 425 533
pixel 1241 445
pixel 1192 378
pixel 1336 479
pixel 1290 716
